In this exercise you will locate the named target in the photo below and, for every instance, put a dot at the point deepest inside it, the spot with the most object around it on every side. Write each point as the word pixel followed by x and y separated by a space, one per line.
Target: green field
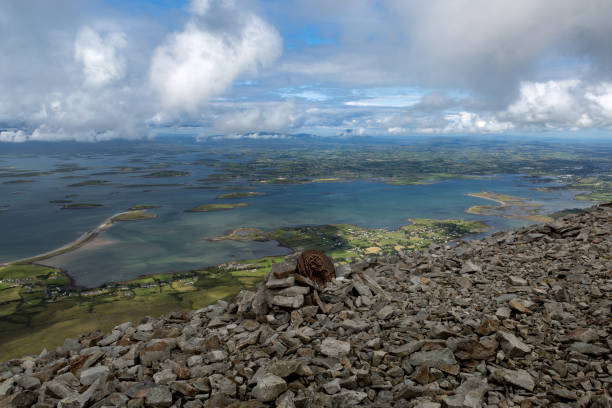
pixel 30 321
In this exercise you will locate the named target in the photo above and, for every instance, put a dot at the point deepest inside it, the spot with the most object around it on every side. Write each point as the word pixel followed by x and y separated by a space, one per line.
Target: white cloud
pixel 390 101
pixel 473 123
pixel 263 118
pixel 551 101
pixel 100 57
pixel 18 136
pixel 201 61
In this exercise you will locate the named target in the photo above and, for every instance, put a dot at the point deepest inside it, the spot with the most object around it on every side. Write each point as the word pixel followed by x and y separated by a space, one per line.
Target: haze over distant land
pixel 101 69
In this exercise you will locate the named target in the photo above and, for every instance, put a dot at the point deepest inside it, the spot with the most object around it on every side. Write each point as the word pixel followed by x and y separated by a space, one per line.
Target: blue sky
pixel 103 69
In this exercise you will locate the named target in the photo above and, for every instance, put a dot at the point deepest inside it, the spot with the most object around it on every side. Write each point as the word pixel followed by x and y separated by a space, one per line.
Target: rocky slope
pixel 521 318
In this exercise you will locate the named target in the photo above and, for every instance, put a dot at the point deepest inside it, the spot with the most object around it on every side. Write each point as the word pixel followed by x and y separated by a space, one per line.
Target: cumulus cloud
pixel 262 118
pixel 100 56
pixel 469 122
pixel 203 59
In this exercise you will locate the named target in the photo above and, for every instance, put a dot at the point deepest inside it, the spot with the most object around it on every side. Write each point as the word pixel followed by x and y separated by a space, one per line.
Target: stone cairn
pixel 518 319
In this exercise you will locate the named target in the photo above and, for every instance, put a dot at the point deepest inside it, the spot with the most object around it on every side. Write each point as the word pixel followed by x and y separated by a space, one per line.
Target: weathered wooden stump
pixel 316 266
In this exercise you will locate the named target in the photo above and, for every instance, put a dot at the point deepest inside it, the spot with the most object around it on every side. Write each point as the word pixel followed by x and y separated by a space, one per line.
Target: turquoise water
pixel 178 241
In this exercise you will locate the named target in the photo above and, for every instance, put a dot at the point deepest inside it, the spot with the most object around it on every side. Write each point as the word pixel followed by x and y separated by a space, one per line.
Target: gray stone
pixel 221 384
pixel 335 348
pixel 332 387
pixel 294 291
pixel 216 356
pixel 92 374
pixel 433 358
pixel 470 267
pixel 512 345
pixel 277 283
pixel 164 377
pixel 269 387
pixel 470 394
pixel 58 390
pixel 407 349
pixel 386 312
pixel 355 325
pixel 6 387
pixel 517 281
pixel 27 382
pixel 282 269
pixel 284 368
pixel 293 302
pixel 520 378
pixel 348 398
pixel 158 397
pixel 590 349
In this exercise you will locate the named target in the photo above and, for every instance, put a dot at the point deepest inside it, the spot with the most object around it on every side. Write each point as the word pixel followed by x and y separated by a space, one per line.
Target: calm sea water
pixel 178 241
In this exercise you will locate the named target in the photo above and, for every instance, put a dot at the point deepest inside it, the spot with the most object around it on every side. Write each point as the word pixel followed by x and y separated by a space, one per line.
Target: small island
pixel 167 173
pixel 89 183
pixel 144 207
pixel 216 207
pixel 241 194
pixel 20 181
pixel 136 215
pixel 508 207
pixel 80 206
pixel 60 201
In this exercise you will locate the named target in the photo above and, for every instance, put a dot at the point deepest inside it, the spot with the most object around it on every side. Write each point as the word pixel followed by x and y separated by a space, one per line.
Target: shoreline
pixel 479 195
pixel 71 246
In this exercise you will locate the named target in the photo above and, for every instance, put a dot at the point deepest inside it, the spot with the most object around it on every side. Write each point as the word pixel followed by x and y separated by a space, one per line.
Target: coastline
pixel 71 246
pixel 484 196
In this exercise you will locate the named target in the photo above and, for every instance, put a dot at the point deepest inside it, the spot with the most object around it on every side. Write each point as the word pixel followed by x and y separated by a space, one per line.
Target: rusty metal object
pixel 316 266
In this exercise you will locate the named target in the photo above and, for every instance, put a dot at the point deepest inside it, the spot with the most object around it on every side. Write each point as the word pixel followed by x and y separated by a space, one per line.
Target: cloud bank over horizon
pixel 101 70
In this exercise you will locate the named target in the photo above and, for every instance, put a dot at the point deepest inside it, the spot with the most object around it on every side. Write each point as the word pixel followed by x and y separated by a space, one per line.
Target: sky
pixel 94 70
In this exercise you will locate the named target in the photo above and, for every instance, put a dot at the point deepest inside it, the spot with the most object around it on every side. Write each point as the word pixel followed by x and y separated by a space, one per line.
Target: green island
pixel 80 206
pixel 134 215
pixel 60 201
pixel 508 207
pixel 241 194
pixel 216 207
pixel 345 242
pixel 89 183
pixel 144 207
pixel 150 185
pixel 20 181
pixel 167 173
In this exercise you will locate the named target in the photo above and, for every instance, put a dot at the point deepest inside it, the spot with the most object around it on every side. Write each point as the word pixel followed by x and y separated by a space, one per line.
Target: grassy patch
pixel 9 295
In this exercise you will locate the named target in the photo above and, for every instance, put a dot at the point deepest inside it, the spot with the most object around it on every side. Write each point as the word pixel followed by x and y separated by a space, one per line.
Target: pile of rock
pixel 520 318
